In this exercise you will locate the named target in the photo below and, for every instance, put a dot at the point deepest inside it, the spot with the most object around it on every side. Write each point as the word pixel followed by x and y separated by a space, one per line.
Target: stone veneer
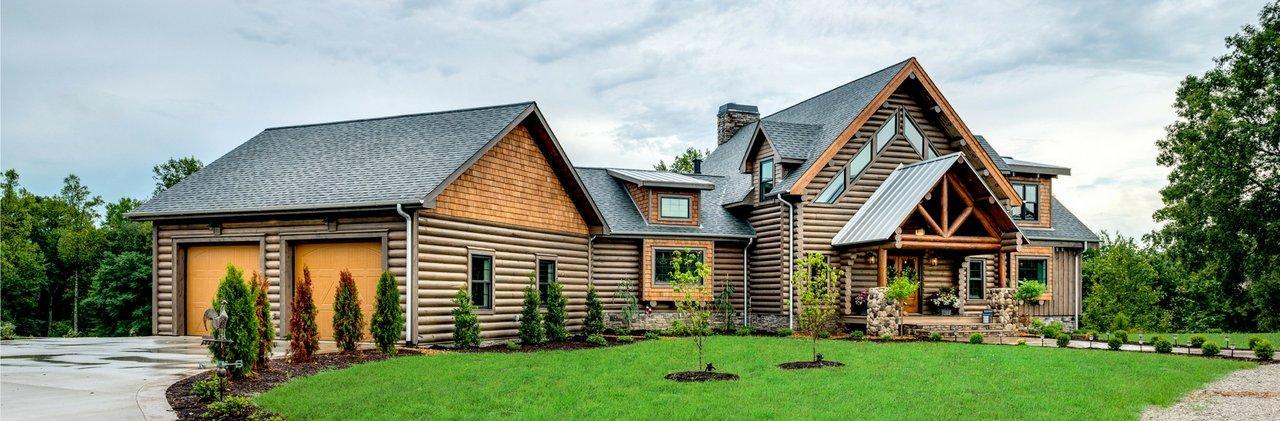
pixel 1003 307
pixel 882 314
pixel 661 320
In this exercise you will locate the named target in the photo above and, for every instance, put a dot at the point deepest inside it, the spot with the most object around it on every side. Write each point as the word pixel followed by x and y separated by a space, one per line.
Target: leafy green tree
pixel 388 316
pixel 593 324
pixel 348 319
pixel 121 234
pixel 1124 285
pixel 531 330
pixel 557 317
pixel 118 302
pixel 304 334
pixel 242 324
pixel 683 162
pixel 466 326
pixel 22 262
pixel 1224 183
pixel 688 279
pixel 169 173
pixel 816 282
pixel 262 315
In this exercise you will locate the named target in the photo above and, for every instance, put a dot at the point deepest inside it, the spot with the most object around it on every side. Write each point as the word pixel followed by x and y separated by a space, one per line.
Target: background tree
pixel 304 335
pixel 262 315
pixel 531 330
pixel 348 320
pixel 1124 287
pixel 242 324
pixel 684 161
pixel 169 173
pixel 815 279
pixel 688 279
pixel 388 317
pixel 466 327
pixel 593 324
pixel 118 301
pixel 556 317
pixel 22 262
pixel 1224 184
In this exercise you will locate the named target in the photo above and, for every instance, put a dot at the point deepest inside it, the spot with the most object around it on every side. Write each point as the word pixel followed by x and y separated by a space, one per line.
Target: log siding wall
pixel 1043 207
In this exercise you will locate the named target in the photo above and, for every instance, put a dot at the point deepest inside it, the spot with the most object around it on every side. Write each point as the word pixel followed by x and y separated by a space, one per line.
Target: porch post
pixel 1000 273
pixel 882 268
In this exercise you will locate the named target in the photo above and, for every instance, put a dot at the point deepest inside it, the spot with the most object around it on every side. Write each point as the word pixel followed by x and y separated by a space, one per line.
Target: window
pixel 930 153
pixel 546 274
pixel 766 178
pixel 833 190
pixel 1033 269
pixel 674 207
pixel 886 132
pixel 914 136
pixel 859 163
pixel 482 281
pixel 663 267
pixel 1029 211
pixel 977 278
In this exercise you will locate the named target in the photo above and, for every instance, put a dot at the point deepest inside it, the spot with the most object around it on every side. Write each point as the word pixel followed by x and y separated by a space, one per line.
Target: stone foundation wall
pixel 1003 307
pixel 661 320
pixel 1067 321
pixel 882 314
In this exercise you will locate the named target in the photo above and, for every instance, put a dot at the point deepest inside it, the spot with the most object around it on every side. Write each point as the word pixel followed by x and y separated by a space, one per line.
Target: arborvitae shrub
pixel 304 335
pixel 1161 345
pixel 1114 343
pixel 466 327
pixel 262 313
pixel 594 322
pixel 531 332
pixel 1210 348
pixel 1063 340
pixel 348 320
pixel 975 338
pixel 1196 341
pixel 242 324
pixel 1264 350
pixel 388 317
pixel 555 319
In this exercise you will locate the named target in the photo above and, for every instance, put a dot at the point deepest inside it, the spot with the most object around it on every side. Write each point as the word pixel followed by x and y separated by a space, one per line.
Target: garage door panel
pixel 326 261
pixel 205 268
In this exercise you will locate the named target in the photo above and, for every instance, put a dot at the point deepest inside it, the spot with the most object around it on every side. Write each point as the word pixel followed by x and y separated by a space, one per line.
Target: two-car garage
pixel 205 265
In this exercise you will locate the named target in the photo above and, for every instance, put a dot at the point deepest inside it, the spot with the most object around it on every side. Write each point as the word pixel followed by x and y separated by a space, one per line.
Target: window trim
pixel 773 177
pixel 871 158
pixel 471 281
pixel 688 202
pixel 1019 187
pixel 925 143
pixel 875 136
pixel 1043 259
pixel 982 279
pixel 555 273
pixel 653 277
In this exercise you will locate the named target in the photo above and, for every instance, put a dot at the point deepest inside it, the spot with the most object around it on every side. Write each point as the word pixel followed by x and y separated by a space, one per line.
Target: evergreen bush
pixel 555 319
pixel 1162 345
pixel 1052 330
pixel 1210 348
pixel 744 331
pixel 857 335
pixel 304 335
pixel 348 319
pixel 262 314
pixel 1122 335
pixel 597 340
pixel 935 337
pixel 1063 340
pixel 626 339
pixel 242 325
pixel 531 330
pixel 975 338
pixel 1114 343
pixel 1264 350
pixel 466 326
pixel 388 316
pixel 651 335
pixel 785 332
pixel 1253 341
pixel 593 324
pixel 513 345
pixel 1196 341
pixel 210 389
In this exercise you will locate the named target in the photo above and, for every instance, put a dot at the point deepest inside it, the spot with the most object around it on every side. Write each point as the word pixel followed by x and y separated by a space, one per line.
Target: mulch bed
pixel 800 365
pixel 188 407
pixel 572 344
pixel 701 376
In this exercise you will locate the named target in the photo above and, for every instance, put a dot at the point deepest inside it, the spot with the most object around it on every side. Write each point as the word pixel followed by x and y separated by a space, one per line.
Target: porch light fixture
pixel 933 261
pixel 919 231
pixel 871 258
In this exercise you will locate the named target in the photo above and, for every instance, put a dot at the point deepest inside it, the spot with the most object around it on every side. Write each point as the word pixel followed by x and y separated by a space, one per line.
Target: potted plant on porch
pixel 945 300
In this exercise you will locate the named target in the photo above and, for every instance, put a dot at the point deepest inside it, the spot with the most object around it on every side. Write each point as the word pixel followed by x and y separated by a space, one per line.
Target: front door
pixel 909 266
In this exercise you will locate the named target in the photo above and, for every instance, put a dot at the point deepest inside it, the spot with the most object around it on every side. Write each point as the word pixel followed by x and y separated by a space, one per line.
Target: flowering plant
pixel 945 298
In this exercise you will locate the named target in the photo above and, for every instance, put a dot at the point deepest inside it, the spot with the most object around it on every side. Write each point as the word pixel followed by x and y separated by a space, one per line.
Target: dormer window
pixel 674 207
pixel 766 178
pixel 1030 208
pixel 887 132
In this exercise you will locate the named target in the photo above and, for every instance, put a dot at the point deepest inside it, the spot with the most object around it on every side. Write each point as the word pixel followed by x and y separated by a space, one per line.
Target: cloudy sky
pixel 105 90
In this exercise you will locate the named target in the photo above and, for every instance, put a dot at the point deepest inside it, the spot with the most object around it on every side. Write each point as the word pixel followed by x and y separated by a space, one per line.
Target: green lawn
pixel 1240 339
pixel 895 380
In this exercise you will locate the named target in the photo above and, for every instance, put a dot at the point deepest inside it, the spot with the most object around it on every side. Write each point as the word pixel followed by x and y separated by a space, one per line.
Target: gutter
pixel 746 286
pixel 791 256
pixel 410 275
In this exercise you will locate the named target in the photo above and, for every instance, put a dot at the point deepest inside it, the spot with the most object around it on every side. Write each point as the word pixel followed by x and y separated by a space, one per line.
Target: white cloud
pixel 106 90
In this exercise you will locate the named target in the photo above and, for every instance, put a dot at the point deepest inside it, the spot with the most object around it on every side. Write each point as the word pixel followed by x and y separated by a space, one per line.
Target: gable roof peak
pixel 410 115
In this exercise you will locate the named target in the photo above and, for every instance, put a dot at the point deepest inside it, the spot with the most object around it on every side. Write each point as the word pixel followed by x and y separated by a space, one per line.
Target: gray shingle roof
pixel 1066 227
pixel 661 179
pixel 995 157
pixel 893 201
pixel 726 161
pixel 373 162
pixel 623 217
pixel 791 140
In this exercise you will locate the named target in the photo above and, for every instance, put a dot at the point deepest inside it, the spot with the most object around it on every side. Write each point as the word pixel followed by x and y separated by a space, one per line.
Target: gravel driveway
pixel 1243 395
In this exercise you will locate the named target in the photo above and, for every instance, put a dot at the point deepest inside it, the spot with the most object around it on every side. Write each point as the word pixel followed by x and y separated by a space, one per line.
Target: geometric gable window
pixel 886 132
pixel 914 136
pixel 833 190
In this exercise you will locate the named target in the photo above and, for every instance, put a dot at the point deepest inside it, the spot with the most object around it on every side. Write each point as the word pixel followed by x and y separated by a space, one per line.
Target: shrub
pixel 1120 334
pixel 1021 342
pixel 531 332
pixel 975 338
pixel 466 326
pixel 388 317
pixel 630 309
pixel 555 319
pixel 7 330
pixel 1264 350
pixel 1063 340
pixel 626 339
pixel 242 325
pixel 210 389
pixel 723 304
pixel 1085 333
pixel 1114 343
pixel 1029 291
pixel 935 337
pixel 231 408
pixel 1253 341
pixel 823 335
pixel 676 329
pixel 348 320
pixel 785 332
pixel 1052 330
pixel 1036 327
pixel 304 336
pixel 513 345
pixel 651 335
pixel 597 340
pixel 1196 341
pixel 744 331
pixel 262 314
pixel 1162 345
pixel 857 335
pixel 593 324
pixel 886 337
pixel 1210 348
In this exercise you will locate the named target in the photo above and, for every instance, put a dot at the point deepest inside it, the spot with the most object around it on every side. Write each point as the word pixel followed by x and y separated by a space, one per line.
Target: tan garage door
pixel 206 265
pixel 326 260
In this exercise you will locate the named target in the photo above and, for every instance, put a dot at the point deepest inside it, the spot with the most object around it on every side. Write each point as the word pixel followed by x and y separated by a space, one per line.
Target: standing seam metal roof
pixel 893 201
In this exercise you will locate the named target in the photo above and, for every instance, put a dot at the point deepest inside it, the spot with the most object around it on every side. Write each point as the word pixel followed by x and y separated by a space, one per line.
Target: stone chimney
pixel 732 117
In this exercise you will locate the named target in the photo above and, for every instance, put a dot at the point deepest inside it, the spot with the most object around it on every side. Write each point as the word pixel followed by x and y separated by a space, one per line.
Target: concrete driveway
pixel 90 378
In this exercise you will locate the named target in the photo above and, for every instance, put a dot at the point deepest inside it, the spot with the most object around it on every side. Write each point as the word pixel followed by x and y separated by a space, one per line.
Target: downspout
pixel 1079 282
pixel 791 255
pixel 746 286
pixel 410 275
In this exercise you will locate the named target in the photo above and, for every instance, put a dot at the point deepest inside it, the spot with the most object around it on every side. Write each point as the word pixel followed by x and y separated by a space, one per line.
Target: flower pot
pixel 945 311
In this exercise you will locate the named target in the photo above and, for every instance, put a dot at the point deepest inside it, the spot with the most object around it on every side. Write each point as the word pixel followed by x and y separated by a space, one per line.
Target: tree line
pixel 73 264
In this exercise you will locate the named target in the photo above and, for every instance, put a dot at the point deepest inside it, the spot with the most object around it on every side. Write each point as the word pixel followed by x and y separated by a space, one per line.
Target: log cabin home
pixel 880 175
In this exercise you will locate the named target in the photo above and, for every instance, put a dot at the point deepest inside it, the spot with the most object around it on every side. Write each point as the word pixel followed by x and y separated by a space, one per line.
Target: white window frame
pixel 688 207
